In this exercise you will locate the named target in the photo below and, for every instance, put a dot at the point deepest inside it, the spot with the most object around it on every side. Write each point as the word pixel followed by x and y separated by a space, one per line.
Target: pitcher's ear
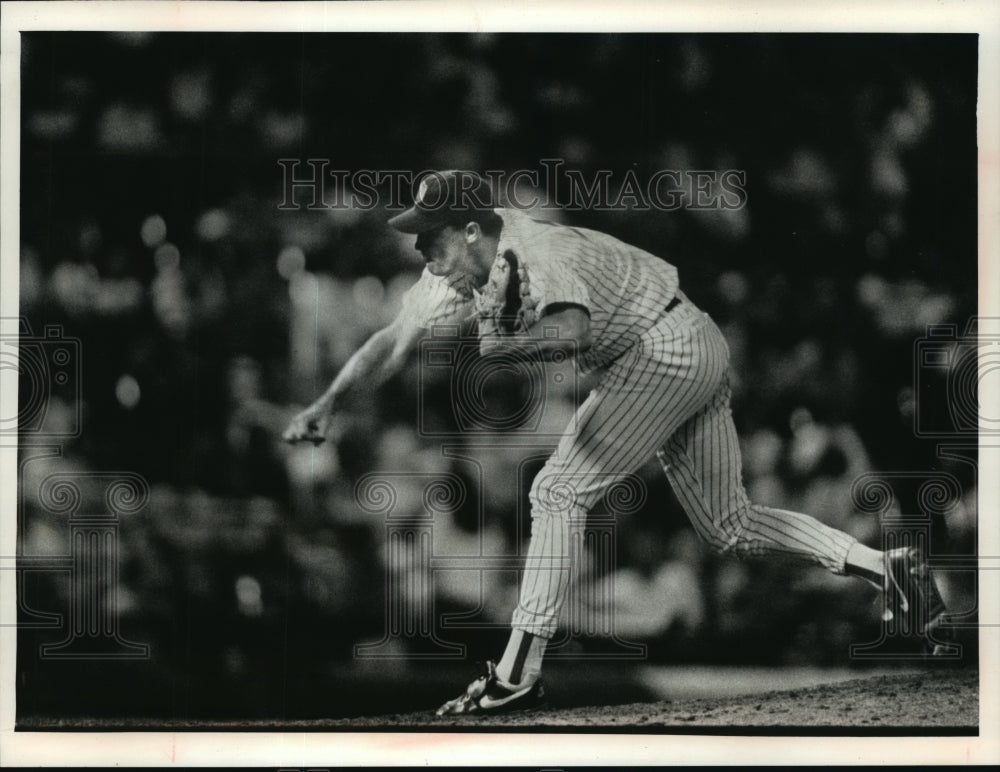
pixel 473 232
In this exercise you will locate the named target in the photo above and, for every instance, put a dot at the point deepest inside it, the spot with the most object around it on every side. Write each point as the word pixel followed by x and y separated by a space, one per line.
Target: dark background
pixel 151 232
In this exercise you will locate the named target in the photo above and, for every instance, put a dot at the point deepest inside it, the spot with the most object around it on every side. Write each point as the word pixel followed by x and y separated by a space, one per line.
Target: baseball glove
pixel 506 307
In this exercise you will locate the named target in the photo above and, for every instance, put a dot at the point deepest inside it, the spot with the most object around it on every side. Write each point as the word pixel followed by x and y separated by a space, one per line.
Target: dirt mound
pixel 943 699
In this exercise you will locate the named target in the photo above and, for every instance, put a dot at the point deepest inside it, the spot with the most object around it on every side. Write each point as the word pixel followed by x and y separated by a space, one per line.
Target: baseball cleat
pixel 491 694
pixel 911 590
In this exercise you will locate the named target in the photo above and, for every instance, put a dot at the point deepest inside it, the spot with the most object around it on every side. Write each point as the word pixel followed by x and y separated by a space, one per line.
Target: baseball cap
pixel 445 198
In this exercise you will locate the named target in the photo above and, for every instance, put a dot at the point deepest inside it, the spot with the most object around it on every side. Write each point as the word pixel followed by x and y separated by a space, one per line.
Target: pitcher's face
pixel 445 250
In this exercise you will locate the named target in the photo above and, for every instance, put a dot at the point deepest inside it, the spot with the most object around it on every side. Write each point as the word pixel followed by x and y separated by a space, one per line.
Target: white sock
pixel 865 562
pixel 522 659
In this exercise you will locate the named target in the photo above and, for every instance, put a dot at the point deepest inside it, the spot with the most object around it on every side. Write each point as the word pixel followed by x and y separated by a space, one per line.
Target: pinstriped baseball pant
pixel 669 396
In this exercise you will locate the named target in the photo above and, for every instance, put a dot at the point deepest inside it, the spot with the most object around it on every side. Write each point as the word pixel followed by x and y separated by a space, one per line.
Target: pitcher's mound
pixel 943 699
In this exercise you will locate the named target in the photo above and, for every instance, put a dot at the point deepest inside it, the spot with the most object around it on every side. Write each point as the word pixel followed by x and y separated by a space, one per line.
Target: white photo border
pixel 290 749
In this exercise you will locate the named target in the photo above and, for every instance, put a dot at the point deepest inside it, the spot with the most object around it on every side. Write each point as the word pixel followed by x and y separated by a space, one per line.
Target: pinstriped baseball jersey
pixel 625 289
pixel 437 300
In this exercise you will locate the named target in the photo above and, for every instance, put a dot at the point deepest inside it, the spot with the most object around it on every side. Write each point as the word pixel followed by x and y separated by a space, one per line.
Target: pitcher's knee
pixel 553 494
pixel 727 534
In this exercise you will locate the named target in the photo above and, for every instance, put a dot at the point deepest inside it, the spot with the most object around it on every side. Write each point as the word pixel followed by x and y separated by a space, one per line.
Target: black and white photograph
pixel 379 385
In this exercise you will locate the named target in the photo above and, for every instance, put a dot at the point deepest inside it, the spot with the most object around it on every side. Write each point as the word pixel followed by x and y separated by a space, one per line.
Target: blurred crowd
pixel 150 230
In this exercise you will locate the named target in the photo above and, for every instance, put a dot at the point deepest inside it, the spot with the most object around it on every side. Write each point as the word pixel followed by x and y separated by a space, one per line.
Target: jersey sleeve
pixel 548 259
pixel 553 278
pixel 433 301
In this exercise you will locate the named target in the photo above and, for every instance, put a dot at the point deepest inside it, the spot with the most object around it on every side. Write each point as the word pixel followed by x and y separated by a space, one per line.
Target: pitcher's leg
pixel 702 462
pixel 642 401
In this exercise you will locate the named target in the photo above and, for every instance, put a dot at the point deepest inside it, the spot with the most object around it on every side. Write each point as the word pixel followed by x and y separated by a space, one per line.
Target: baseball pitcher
pixel 663 391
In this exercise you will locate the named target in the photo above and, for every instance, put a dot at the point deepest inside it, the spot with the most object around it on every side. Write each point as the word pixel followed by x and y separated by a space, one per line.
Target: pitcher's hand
pixel 310 425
